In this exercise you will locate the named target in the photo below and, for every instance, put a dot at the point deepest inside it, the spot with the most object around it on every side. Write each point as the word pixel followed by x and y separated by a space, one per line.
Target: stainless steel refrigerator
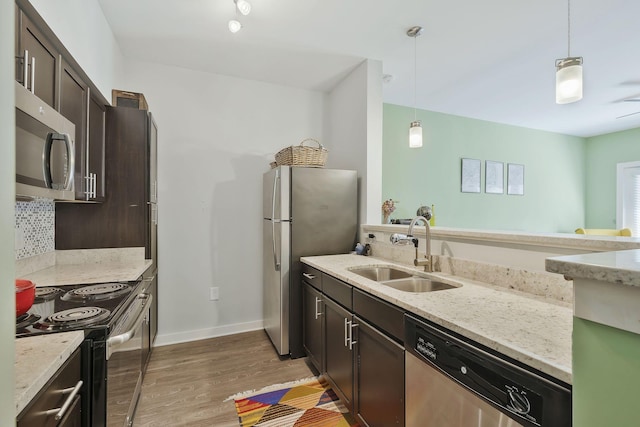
pixel 306 211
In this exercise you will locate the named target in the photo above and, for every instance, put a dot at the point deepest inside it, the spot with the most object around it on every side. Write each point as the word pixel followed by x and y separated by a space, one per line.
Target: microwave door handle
pixel 71 161
pixel 46 161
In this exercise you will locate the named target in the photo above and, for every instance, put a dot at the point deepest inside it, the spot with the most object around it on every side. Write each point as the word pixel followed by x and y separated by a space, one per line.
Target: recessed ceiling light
pixel 234 26
pixel 243 6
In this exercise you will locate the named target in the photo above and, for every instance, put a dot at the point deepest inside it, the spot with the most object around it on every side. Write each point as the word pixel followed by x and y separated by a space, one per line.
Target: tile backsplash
pixel 35 228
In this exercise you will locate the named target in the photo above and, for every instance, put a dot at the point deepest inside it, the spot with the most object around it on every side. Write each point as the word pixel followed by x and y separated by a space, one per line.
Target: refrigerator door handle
pixel 276 261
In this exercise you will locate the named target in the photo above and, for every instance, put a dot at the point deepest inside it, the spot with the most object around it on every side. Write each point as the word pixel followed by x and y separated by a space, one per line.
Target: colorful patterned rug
pixel 308 404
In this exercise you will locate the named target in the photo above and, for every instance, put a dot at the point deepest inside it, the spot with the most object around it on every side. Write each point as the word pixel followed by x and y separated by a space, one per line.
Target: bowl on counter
pixel 25 294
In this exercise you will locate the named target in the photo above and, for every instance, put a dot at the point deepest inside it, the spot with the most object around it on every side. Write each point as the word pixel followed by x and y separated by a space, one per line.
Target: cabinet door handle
pixel 87 179
pixel 318 312
pixel 25 70
pixel 65 406
pixel 33 74
pixel 309 276
pixel 91 186
pixel 351 341
pixel 346 332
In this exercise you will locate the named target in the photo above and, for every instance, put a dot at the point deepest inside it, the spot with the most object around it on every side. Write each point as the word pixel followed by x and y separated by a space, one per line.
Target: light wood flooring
pixel 186 384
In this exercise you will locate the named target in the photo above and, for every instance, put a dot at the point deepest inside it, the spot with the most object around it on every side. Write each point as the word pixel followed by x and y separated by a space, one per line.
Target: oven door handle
pixel 144 299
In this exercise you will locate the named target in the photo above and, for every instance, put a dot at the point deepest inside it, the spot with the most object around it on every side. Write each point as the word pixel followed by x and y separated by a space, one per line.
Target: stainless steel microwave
pixel 44 150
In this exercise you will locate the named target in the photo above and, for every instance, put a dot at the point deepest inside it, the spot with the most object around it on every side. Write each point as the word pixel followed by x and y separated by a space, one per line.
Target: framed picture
pixel 515 179
pixel 470 177
pixel 493 177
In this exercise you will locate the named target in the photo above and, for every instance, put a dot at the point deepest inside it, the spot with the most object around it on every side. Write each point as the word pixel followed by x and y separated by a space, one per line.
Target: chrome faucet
pixel 405 239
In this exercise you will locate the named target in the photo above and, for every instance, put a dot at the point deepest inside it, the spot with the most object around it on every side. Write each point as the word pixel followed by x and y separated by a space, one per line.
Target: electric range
pixel 112 316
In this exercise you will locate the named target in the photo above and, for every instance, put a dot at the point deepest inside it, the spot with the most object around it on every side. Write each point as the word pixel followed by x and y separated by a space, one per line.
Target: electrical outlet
pixel 214 294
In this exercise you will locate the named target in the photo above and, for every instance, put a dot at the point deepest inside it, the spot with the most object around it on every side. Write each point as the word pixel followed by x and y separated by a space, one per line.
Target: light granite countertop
pixel 621 267
pixel 534 331
pixel 38 358
pixel 560 240
pixel 87 273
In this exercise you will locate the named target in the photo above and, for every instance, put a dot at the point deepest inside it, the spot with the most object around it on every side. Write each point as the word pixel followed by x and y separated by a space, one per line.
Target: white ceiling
pixel 492 59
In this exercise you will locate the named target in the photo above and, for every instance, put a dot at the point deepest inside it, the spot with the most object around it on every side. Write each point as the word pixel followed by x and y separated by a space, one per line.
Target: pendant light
pixel 568 71
pixel 415 129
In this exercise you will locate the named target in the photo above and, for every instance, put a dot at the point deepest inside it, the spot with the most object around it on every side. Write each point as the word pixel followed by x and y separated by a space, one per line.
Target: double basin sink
pixel 400 279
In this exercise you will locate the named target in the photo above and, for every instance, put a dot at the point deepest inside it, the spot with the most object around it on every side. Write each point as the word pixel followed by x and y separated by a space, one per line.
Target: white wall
pixel 217 135
pixel 7 197
pixel 82 28
pixel 354 129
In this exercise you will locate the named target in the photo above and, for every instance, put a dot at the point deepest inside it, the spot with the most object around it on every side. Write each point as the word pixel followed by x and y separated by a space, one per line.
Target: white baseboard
pixel 202 334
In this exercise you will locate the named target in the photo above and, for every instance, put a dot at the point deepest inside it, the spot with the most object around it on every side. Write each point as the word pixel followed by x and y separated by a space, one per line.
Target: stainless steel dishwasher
pixel 451 382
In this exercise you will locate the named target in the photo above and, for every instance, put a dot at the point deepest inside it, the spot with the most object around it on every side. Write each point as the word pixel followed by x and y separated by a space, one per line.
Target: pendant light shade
pixel 568 80
pixel 415 129
pixel 568 71
pixel 415 135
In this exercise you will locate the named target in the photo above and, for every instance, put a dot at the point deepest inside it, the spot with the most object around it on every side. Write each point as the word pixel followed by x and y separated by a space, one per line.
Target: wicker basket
pixel 301 155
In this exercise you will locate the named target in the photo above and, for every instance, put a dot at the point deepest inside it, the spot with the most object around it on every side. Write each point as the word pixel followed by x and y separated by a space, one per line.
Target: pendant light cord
pixel 415 76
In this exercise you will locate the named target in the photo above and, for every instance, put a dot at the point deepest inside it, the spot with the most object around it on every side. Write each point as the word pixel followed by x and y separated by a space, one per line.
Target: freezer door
pixel 324 211
pixel 276 187
pixel 276 267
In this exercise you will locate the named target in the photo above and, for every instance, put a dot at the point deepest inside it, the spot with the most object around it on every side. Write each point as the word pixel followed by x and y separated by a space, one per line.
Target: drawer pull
pixel 309 276
pixel 73 391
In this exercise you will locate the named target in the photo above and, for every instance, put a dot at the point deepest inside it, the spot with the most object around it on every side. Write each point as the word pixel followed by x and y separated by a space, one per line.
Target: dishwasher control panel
pixel 521 394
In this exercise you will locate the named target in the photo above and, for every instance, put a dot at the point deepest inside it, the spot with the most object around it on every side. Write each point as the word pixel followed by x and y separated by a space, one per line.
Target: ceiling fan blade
pixel 627 115
pixel 632 100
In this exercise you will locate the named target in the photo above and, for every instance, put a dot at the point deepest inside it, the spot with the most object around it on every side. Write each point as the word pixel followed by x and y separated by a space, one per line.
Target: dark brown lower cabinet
pixel 360 338
pixel 42 410
pixel 338 354
pixel 312 322
pixel 379 390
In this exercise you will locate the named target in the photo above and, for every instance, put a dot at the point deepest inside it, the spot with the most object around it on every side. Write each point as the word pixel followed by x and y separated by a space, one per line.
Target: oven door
pixel 125 349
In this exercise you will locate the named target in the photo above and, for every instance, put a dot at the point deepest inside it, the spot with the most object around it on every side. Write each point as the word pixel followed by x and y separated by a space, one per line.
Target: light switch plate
pixel 214 294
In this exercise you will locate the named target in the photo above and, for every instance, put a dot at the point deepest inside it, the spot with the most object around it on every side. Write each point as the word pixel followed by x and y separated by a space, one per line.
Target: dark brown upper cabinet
pixel 74 95
pixel 88 114
pixel 54 76
pixel 96 149
pixel 122 220
pixel 37 61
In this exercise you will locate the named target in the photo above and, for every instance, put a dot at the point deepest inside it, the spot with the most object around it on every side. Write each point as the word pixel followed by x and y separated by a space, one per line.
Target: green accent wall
pixel 606 374
pixel 554 164
pixel 603 154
